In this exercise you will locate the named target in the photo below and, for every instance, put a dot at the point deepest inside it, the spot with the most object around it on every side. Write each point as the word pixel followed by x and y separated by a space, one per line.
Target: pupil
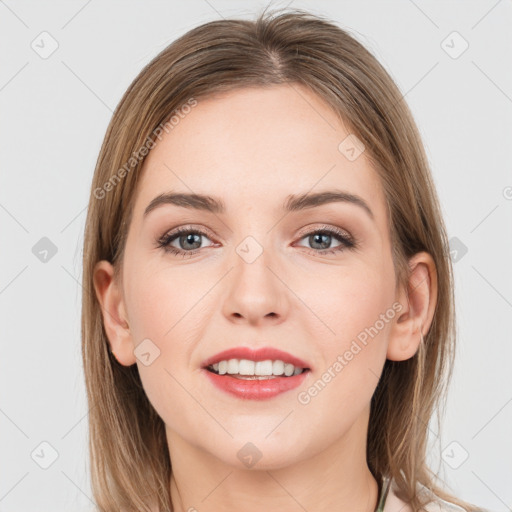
pixel 190 239
pixel 320 236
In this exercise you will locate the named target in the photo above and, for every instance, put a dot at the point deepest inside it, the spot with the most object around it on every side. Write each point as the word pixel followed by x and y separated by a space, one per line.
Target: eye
pixel 323 238
pixel 187 239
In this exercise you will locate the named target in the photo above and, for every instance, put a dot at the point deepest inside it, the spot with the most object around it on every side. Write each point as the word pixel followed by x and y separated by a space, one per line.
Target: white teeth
pixel 246 367
pixel 278 367
pixel 233 366
pixel 263 367
pixel 223 367
pixel 288 369
pixel 258 368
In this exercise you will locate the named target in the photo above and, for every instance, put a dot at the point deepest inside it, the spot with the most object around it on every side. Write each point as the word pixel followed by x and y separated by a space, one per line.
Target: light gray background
pixel 54 113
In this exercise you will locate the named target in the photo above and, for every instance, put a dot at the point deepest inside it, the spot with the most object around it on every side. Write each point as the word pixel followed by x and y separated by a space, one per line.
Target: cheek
pixel 348 301
pixel 162 301
pixel 165 306
pixel 357 314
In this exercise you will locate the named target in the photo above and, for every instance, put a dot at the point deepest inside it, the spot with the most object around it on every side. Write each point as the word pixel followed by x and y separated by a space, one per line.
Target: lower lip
pixel 255 389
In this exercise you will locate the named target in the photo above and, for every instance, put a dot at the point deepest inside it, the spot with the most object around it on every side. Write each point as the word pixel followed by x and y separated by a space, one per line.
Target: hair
pixel 130 463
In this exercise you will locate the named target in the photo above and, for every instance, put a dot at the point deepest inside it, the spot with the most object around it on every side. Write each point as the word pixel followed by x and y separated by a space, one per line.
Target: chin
pixel 260 454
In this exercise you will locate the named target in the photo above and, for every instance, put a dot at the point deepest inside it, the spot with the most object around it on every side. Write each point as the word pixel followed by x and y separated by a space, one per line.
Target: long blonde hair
pixel 130 466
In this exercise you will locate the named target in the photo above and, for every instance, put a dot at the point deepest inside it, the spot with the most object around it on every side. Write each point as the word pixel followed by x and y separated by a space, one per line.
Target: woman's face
pixel 259 275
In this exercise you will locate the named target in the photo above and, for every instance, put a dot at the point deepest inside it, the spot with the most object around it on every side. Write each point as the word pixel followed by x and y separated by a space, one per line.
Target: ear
pixel 113 310
pixel 419 303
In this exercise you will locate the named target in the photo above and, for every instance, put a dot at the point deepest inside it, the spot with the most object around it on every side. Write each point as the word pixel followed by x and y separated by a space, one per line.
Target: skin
pixel 252 148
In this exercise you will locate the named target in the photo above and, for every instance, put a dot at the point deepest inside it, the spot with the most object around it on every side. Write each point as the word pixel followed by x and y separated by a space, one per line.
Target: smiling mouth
pixel 244 369
pixel 255 380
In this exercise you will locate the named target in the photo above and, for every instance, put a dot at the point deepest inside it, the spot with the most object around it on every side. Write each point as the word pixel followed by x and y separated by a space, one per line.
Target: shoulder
pixel 436 504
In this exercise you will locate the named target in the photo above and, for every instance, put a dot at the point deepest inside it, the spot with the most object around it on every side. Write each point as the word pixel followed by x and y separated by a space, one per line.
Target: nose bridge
pixel 255 290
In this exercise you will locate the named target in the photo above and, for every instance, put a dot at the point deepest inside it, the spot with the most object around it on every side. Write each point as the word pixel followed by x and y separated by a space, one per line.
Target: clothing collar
pixel 389 501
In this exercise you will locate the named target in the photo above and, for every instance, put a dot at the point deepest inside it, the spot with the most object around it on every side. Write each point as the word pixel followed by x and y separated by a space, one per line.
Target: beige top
pixel 394 504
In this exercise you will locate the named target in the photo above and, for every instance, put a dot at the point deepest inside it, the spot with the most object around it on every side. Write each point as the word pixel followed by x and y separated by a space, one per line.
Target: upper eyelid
pixel 324 227
pixel 189 228
pixel 302 233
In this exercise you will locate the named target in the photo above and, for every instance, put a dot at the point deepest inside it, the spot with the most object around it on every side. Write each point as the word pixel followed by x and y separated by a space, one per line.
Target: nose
pixel 257 293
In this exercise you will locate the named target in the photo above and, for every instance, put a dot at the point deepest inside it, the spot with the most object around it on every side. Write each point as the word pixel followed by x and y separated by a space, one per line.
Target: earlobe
pixel 418 301
pixel 113 311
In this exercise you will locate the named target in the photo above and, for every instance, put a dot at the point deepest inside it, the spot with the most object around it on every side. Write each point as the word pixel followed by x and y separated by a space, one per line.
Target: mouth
pixel 244 384
pixel 246 369
pixel 255 364
pixel 255 374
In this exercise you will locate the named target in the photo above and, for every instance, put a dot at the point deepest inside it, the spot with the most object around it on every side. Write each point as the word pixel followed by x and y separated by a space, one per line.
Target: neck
pixel 337 479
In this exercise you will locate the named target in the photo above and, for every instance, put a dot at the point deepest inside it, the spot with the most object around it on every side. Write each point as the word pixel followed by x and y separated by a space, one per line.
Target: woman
pixel 268 318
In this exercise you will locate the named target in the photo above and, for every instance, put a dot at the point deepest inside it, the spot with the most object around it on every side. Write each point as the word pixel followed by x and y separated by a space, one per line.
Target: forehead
pixel 255 147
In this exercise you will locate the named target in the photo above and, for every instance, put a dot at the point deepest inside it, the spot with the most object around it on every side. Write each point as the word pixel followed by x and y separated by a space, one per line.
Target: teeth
pixel 255 368
pixel 246 367
pixel 263 368
pixel 232 366
pixel 288 369
pixel 278 367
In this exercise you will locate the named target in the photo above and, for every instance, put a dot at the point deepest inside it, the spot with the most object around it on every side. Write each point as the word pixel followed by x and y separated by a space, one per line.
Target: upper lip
pixel 259 354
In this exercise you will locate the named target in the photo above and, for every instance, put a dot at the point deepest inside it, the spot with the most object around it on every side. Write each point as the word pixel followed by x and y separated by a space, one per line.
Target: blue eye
pixel 189 241
pixel 325 236
pixel 185 237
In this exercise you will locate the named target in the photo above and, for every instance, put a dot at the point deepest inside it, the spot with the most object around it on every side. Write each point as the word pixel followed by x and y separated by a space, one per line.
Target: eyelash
pixel 346 242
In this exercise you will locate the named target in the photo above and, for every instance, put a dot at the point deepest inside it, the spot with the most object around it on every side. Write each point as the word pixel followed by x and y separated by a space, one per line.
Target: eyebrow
pixel 293 202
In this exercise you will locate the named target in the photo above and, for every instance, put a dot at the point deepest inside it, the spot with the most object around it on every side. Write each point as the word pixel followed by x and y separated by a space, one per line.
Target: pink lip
pixel 255 389
pixel 261 354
